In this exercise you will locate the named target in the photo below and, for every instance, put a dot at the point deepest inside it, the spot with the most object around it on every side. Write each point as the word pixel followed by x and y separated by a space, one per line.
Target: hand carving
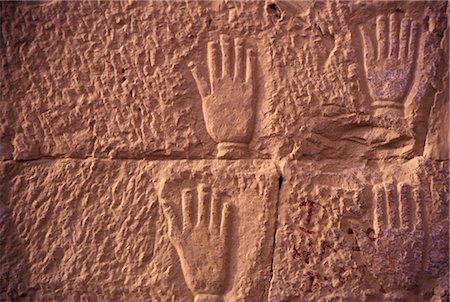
pixel 393 248
pixel 227 102
pixel 389 71
pixel 201 241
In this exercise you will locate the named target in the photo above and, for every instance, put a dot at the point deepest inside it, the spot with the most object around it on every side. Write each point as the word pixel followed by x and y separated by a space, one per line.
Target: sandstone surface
pixel 224 151
pixel 362 232
pixel 76 229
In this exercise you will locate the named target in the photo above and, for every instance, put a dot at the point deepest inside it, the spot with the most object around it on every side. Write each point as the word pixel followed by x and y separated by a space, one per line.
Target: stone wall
pixel 224 151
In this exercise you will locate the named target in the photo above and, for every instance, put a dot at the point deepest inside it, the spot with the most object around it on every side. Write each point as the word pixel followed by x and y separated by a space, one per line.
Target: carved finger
pixel 439 198
pixel 171 217
pixel 382 36
pixel 213 64
pixel 332 12
pixel 405 192
pixel 309 59
pixel 392 205
pixel 419 215
pixel 413 40
pixel 393 36
pixel 214 220
pixel 187 208
pixel 226 56
pixel 369 54
pixel 239 68
pixel 404 38
pixel 225 224
pixel 202 84
pixel 250 66
pixel 204 200
pixel 380 224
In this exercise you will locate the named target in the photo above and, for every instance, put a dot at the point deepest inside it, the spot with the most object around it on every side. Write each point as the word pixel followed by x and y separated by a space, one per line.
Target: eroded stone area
pixel 221 151
pixel 77 227
pixel 330 79
pixel 104 230
pixel 367 232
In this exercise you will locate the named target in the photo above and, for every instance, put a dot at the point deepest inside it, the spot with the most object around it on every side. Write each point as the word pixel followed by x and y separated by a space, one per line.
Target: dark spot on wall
pixel 280 182
pixel 370 233
pixel 274 11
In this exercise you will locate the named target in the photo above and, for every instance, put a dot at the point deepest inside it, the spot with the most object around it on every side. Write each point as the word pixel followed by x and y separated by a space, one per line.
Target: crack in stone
pixel 280 184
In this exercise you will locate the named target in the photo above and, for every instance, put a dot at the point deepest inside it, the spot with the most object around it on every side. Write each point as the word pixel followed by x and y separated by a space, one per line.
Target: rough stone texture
pixel 119 72
pixel 82 229
pixel 224 151
pixel 362 232
pixel 76 229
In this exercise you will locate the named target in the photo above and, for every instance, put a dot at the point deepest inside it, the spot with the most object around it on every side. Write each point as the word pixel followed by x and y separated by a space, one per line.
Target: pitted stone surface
pixel 362 232
pixel 112 80
pixel 224 151
pixel 77 229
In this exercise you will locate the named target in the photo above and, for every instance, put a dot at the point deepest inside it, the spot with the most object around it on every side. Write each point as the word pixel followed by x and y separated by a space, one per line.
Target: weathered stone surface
pixel 94 229
pixel 437 143
pixel 224 151
pixel 83 230
pixel 112 79
pixel 362 232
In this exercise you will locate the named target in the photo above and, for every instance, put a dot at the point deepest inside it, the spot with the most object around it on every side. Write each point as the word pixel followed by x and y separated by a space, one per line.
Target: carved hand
pixel 393 248
pixel 201 241
pixel 389 71
pixel 228 106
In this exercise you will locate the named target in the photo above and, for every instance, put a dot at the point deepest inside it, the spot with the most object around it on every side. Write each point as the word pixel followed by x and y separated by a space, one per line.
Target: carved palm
pixel 227 101
pixel 389 71
pixel 393 248
pixel 201 241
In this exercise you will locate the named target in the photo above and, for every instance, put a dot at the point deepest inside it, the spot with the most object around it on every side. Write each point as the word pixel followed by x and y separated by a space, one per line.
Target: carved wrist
pixel 383 106
pixel 232 150
pixel 208 298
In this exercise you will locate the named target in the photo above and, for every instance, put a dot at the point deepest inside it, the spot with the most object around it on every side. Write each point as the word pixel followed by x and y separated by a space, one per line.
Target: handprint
pixel 389 71
pixel 201 240
pixel 227 102
pixel 393 248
